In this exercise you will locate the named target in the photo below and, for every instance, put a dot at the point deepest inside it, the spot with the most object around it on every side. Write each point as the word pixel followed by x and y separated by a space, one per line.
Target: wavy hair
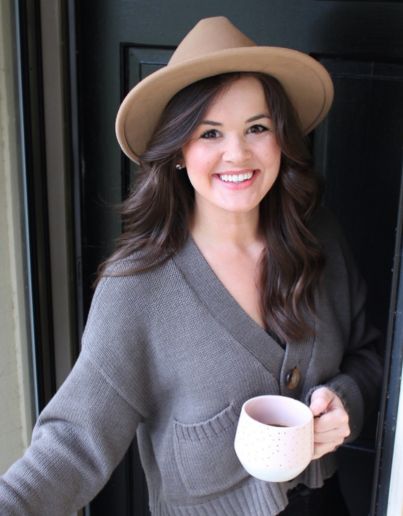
pixel 157 214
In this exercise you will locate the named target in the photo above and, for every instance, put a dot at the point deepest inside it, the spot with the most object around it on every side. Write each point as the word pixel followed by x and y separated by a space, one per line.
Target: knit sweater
pixel 169 354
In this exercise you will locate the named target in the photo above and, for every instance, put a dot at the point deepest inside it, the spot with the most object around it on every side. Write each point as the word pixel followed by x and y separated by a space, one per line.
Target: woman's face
pixel 233 158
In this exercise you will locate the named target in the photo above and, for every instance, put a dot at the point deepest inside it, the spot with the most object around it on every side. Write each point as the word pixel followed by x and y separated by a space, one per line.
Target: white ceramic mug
pixel 274 437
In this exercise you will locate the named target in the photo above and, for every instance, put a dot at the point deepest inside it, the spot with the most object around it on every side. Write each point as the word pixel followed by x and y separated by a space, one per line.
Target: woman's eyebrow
pixel 252 119
pixel 257 117
pixel 210 122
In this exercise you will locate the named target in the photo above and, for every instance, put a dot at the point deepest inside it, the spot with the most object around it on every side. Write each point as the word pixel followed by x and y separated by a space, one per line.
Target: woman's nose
pixel 236 150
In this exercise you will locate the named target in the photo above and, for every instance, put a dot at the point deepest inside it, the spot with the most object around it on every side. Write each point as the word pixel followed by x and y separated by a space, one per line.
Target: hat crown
pixel 208 36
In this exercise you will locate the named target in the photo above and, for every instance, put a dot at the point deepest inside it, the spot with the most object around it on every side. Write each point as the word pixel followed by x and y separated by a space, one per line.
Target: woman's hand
pixel 331 424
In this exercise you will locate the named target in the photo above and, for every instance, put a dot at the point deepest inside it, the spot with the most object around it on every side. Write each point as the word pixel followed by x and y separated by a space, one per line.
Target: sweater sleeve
pixel 78 440
pixel 359 379
pixel 81 435
pixel 358 384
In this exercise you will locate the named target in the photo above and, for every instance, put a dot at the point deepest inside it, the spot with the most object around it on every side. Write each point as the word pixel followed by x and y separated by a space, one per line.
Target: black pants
pixel 324 501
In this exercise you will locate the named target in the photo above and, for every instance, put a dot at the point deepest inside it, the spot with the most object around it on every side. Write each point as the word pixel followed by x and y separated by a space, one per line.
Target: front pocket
pixel 205 453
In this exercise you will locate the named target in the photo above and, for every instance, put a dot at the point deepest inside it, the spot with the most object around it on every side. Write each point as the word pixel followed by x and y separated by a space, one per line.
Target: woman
pixel 228 282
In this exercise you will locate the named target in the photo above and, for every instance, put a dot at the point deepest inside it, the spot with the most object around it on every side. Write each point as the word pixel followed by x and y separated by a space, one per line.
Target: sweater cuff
pixel 349 393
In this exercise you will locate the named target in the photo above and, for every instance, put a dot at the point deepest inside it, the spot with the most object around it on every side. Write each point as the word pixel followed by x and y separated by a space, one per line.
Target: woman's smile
pixel 238 179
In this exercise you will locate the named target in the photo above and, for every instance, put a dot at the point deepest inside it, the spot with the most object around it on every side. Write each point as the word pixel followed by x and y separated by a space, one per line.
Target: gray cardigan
pixel 170 355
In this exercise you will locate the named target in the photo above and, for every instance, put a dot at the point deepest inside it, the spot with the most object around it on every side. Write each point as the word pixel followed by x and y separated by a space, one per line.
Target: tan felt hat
pixel 212 47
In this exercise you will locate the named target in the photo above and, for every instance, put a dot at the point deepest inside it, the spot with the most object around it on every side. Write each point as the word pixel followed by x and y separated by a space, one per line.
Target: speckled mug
pixel 274 437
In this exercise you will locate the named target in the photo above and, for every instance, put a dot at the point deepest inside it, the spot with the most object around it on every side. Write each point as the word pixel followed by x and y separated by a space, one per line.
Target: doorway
pixel 357 149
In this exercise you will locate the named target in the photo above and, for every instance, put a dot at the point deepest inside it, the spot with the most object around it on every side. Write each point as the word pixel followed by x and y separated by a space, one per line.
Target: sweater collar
pixel 225 309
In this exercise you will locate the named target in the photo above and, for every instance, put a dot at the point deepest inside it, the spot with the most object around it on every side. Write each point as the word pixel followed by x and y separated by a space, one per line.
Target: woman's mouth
pixel 237 178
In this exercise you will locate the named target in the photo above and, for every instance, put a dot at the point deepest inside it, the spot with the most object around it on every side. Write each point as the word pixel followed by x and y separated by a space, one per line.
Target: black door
pixel 358 148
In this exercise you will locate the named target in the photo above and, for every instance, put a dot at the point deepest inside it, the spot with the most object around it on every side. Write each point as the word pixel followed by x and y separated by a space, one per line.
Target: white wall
pixel 15 401
pixel 395 502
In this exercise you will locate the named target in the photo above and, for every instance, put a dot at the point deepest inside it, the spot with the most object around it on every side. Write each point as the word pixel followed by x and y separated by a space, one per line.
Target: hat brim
pixel 306 82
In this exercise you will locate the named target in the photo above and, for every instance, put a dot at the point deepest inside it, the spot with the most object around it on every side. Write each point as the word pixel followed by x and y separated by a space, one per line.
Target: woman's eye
pixel 211 133
pixel 257 128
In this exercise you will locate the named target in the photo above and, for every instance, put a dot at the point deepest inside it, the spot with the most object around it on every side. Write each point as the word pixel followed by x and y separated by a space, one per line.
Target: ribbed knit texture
pixel 171 355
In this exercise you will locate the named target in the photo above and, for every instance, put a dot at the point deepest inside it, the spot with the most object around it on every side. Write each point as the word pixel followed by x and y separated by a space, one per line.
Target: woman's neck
pixel 236 230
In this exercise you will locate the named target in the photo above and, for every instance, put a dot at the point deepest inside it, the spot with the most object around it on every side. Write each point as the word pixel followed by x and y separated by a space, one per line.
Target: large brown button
pixel 292 378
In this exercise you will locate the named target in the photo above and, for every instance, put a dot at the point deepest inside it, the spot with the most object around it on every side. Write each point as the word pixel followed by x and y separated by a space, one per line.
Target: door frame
pixel 388 452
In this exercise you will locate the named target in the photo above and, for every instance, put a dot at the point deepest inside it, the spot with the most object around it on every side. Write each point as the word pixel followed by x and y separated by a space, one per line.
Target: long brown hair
pixel 156 215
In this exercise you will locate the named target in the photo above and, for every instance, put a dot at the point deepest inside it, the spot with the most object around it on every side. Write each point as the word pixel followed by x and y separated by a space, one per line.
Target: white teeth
pixel 231 178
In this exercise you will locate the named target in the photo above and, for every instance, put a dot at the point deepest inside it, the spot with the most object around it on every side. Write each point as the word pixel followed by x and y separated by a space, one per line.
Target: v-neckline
pixel 225 309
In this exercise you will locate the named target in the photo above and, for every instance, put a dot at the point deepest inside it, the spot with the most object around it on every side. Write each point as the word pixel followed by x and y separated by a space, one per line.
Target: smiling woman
pixel 229 282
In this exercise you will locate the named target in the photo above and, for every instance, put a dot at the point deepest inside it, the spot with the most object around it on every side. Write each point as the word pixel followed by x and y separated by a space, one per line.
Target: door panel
pixel 362 167
pixel 357 149
pixel 138 62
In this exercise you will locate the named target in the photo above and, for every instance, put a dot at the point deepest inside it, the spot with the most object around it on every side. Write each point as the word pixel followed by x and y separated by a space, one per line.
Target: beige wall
pixel 15 402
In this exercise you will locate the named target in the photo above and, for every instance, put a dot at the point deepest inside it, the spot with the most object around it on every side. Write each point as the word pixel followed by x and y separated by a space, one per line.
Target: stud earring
pixel 179 166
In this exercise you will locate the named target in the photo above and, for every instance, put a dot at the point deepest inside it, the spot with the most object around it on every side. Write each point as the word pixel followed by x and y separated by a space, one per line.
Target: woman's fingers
pixel 321 400
pixel 335 436
pixel 328 441
pixel 336 419
pixel 331 438
pixel 331 423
